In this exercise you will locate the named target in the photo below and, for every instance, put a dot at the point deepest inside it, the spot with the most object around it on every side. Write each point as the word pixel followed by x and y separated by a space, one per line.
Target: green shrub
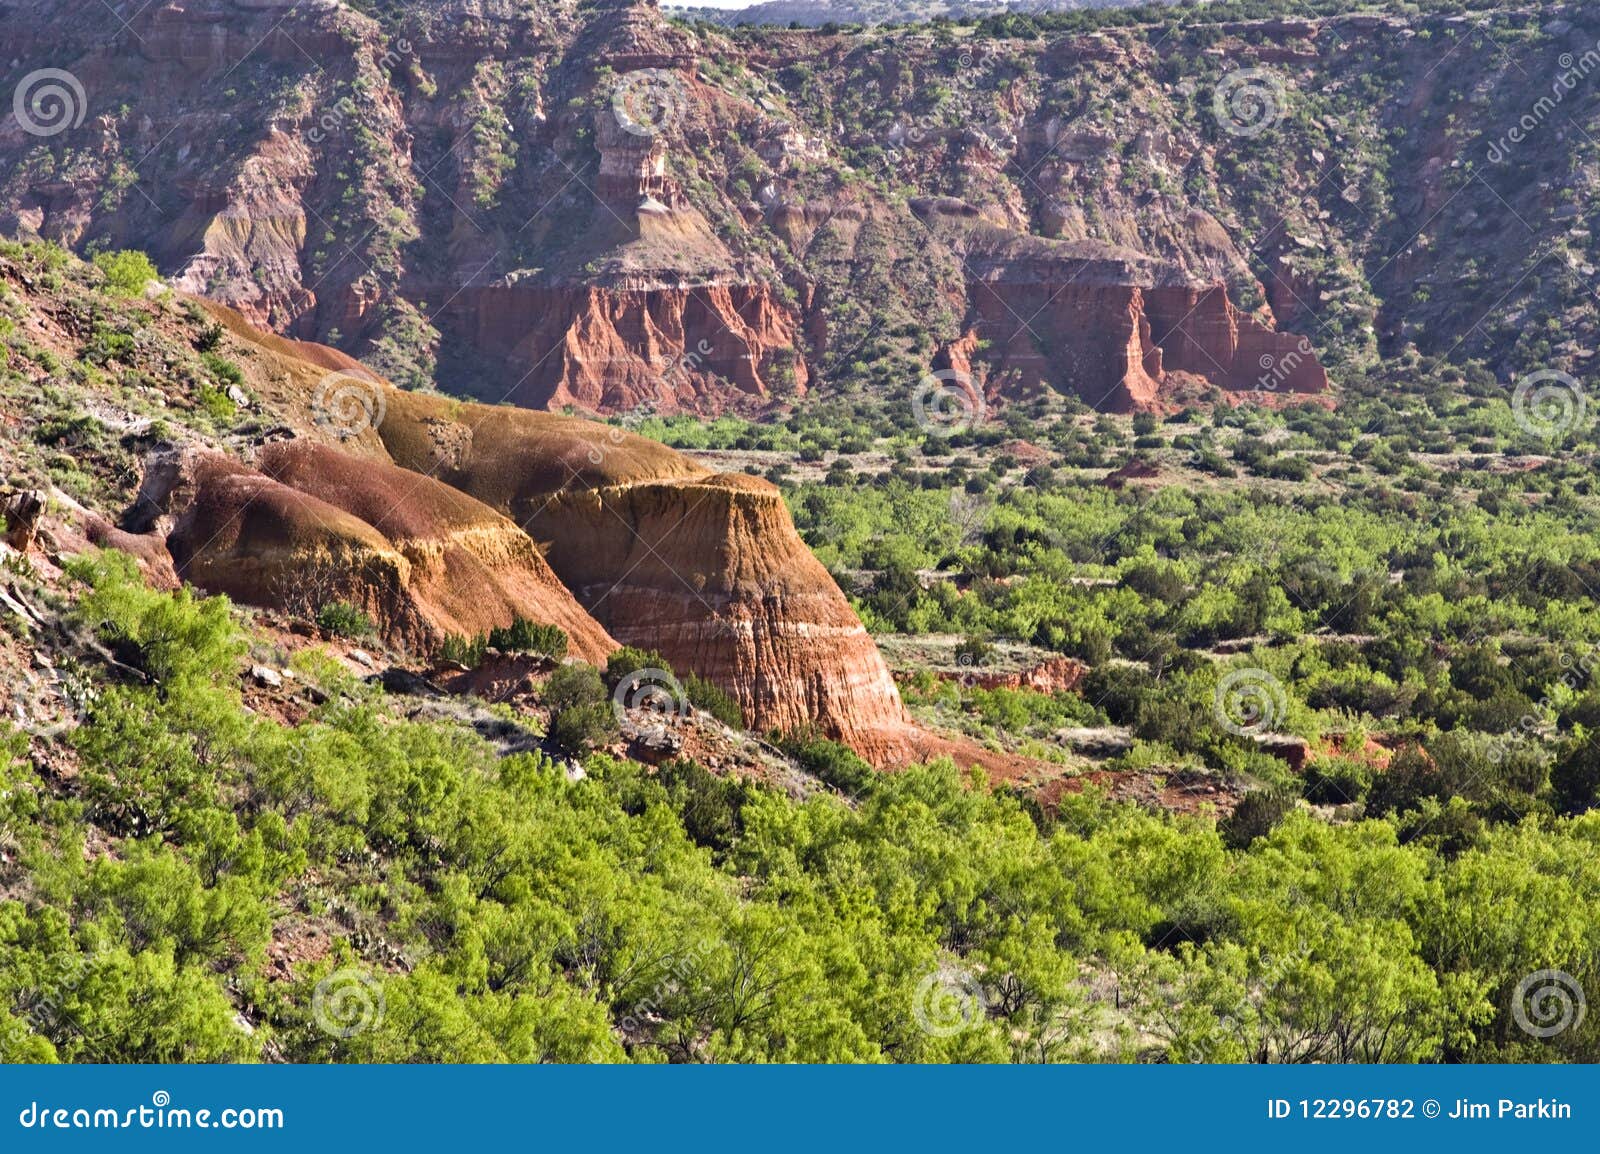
pixel 574 685
pixel 972 652
pixel 584 728
pixel 704 695
pixel 628 660
pixel 712 806
pixel 127 271
pixel 342 619
pixel 835 764
pixel 106 345
pixel 465 651
pixel 524 636
pixel 216 404
pixel 223 369
pixel 1337 781
pixel 1258 813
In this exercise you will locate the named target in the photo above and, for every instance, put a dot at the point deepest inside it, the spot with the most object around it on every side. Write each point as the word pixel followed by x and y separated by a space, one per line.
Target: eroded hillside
pixel 292 479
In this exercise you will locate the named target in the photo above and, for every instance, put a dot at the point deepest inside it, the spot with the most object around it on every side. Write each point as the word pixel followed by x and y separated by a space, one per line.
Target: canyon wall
pixel 1111 326
pixel 703 348
pixel 449 191
pixel 571 206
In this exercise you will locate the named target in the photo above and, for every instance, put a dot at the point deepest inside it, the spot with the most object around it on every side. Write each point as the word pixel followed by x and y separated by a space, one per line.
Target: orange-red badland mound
pixel 314 525
pixel 706 569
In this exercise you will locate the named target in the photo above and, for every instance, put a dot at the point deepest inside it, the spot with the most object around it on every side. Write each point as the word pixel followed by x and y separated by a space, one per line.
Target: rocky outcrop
pixel 660 551
pixel 705 569
pixel 21 512
pixel 712 574
pixel 311 526
pixel 1111 326
pixel 1199 330
pixel 661 314
pixel 148 550
pixel 1057 675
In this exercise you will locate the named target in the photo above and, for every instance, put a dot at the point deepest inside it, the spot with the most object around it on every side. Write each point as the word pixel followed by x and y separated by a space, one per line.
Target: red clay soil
pixel 1173 793
pixel 998 766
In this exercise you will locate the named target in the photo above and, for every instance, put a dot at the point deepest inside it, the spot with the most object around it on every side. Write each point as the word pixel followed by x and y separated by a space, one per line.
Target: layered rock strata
pixel 1112 326
pixel 704 568
pixel 311 526
pixel 564 206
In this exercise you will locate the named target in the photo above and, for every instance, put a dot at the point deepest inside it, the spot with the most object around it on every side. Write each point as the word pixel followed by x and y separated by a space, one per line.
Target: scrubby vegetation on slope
pixel 184 895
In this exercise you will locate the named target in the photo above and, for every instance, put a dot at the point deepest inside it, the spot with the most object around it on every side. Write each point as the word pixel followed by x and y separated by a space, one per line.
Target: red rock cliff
pixel 702 347
pixel 1111 326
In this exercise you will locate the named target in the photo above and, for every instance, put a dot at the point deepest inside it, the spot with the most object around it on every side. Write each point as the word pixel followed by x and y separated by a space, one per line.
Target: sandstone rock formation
pixel 312 525
pixel 1111 326
pixel 706 569
pixel 659 551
